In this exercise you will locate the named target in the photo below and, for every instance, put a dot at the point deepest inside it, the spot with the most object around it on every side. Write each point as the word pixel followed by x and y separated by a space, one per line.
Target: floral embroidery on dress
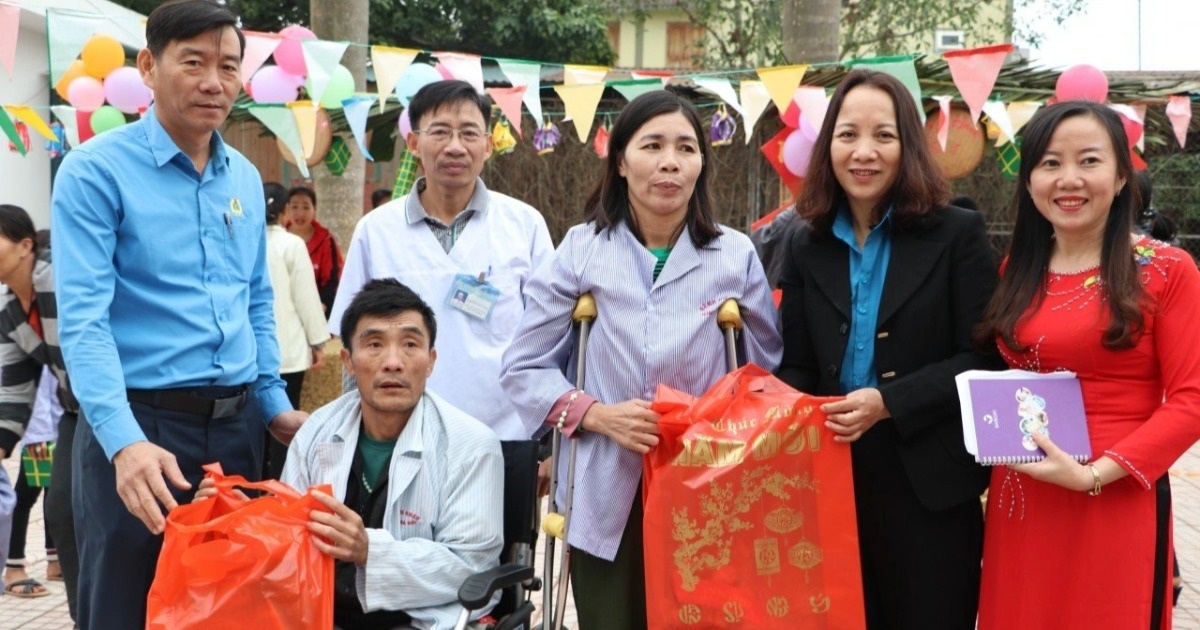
pixel 1150 254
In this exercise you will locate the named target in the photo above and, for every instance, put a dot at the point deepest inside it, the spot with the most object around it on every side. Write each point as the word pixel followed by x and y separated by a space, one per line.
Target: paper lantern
pixel 124 89
pixel 964 143
pixel 1082 82
pixel 290 54
pixel 339 88
pixel 74 71
pixel 105 118
pixel 323 139
pixel 417 76
pixel 101 55
pixel 86 94
pixel 273 84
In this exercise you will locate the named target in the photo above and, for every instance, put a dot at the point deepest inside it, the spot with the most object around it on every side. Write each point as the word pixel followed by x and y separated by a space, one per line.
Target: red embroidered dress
pixel 1056 558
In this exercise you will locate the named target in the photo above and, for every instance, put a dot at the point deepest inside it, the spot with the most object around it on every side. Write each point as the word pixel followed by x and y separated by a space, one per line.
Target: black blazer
pixel 939 280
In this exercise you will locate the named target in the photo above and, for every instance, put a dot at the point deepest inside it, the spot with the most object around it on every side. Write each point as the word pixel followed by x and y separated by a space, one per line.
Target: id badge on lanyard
pixel 473 295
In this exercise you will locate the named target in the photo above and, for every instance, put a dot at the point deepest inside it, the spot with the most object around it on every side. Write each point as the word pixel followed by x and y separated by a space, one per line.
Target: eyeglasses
pixel 442 135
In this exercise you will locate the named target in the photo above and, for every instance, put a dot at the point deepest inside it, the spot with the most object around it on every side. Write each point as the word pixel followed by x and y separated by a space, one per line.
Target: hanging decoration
pixel 19 141
pixel 722 128
pixel 546 138
pixel 600 141
pixel 502 137
pixel 1008 158
pixel 57 146
pixel 338 157
pixel 1179 111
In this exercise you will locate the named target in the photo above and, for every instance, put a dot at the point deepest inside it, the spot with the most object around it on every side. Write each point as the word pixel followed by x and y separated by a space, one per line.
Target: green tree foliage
pixel 571 31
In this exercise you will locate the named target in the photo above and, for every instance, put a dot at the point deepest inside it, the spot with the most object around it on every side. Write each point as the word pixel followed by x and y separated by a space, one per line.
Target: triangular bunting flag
pixel 662 76
pixel 1019 113
pixel 83 121
pixel 282 123
pixel 321 57
pixel 66 117
pixel 390 64
pixel 10 130
pixel 722 88
pixel 584 75
pixel 1133 122
pixel 1179 111
pixel 1140 108
pixel 10 28
pixel 633 89
pixel 974 71
pixel 463 67
pixel 305 113
pixel 259 47
pixel 755 99
pixel 580 103
pixel 356 110
pixel 781 83
pixel 26 114
pixel 943 133
pixel 509 100
pixel 812 103
pixel 529 74
pixel 998 114
pixel 900 67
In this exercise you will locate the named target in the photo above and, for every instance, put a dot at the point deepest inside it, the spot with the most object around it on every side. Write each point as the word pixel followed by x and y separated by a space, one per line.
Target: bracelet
pixel 562 417
pixel 1095 491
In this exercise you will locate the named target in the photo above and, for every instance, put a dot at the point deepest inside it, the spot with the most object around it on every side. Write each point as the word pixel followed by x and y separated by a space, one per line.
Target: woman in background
pixel 299 323
pixel 322 248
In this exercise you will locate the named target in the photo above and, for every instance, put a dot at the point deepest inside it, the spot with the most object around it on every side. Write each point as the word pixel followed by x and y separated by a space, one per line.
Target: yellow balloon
pixel 101 55
pixel 74 71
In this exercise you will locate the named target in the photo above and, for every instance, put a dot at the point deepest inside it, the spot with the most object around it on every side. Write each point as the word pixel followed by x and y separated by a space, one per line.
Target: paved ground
pixel 50 613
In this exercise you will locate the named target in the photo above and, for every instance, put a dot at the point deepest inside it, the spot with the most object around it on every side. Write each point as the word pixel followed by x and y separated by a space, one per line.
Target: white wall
pixel 25 181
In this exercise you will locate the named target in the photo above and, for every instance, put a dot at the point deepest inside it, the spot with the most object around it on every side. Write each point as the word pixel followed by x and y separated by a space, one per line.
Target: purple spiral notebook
pixel 1002 410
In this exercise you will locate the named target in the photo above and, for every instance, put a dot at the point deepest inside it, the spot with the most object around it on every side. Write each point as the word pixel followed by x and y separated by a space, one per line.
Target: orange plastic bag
pixel 749 511
pixel 233 562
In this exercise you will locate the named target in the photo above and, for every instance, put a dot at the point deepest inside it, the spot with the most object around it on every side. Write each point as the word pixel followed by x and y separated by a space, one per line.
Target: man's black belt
pixel 212 403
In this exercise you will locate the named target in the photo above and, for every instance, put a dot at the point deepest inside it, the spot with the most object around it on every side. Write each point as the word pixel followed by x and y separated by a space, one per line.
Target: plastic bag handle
pixel 225 483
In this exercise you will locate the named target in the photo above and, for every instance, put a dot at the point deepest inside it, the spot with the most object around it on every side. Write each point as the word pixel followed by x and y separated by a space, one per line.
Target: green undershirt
pixel 375 457
pixel 660 254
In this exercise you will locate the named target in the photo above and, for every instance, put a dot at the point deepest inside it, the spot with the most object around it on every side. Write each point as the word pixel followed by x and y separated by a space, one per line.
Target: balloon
pixel 101 55
pixel 86 93
pixel 1082 82
pixel 74 71
pixel 105 118
pixel 417 76
pixel 405 126
pixel 290 54
pixel 339 88
pixel 272 84
pixel 797 148
pixel 125 90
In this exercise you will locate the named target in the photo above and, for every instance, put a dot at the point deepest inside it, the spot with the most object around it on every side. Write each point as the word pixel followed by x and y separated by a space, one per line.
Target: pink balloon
pixel 125 90
pixel 797 148
pixel 271 84
pixel 1082 82
pixel 405 125
pixel 290 54
pixel 85 94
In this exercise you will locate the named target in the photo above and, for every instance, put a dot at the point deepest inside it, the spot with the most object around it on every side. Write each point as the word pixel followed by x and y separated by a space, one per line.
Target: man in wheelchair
pixel 419 484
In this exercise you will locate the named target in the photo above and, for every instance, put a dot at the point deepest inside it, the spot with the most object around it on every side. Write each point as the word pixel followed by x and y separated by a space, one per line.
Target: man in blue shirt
pixel 166 308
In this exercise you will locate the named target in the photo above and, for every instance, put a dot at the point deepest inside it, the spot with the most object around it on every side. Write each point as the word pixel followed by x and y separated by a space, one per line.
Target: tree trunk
pixel 341 197
pixel 810 30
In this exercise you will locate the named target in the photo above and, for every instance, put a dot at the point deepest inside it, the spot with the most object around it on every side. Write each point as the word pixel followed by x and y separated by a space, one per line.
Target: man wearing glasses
pixel 465 250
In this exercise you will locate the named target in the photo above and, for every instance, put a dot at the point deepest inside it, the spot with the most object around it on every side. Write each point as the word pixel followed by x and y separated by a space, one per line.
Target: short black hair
pixel 380 197
pixel 439 94
pixel 15 224
pixel 384 297
pixel 276 198
pixel 178 20
pixel 303 190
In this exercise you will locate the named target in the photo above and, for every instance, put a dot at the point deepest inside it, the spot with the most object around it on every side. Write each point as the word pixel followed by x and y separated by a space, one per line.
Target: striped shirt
pixel 648 331
pixel 23 353
pixel 447 235
pixel 445 496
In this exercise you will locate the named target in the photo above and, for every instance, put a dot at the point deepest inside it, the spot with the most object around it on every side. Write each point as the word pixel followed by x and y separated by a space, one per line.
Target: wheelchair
pixel 514 577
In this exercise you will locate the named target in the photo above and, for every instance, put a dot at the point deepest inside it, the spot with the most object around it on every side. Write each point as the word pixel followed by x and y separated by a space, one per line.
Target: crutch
pixel 556 524
pixel 729 319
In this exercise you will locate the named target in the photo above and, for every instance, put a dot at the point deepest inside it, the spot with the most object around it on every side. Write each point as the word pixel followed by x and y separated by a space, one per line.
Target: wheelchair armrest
pixel 479 588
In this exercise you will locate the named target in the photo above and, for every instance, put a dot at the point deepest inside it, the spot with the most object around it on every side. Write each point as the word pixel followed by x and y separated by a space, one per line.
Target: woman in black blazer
pixel 882 286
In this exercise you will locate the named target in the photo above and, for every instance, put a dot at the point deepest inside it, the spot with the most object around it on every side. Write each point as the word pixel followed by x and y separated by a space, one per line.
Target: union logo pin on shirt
pixel 235 207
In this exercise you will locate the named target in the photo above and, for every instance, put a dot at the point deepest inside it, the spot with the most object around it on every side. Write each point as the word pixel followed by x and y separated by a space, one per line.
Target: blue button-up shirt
pixel 161 275
pixel 868 269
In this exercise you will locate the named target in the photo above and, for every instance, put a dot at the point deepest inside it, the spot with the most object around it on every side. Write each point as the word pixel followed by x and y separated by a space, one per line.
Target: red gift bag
pixel 749 511
pixel 233 562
